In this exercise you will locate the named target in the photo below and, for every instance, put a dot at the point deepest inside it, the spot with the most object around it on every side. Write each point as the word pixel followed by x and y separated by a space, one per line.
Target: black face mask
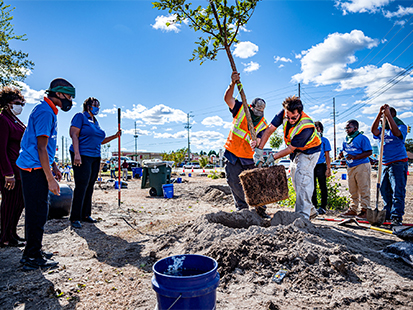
pixel 66 104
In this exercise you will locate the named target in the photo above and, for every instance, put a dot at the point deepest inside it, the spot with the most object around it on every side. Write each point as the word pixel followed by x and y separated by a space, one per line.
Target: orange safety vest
pixel 238 141
pixel 304 123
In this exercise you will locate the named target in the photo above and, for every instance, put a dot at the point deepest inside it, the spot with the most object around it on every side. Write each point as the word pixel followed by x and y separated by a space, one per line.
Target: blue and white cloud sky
pixel 358 52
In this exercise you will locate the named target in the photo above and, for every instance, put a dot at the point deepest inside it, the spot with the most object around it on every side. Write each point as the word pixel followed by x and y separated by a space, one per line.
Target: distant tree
pixel 276 140
pixel 409 145
pixel 14 64
pixel 176 156
pixel 220 22
pixel 203 161
pixel 212 152
pixel 105 150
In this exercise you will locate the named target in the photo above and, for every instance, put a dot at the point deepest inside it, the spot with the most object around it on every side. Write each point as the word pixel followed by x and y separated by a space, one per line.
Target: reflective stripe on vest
pixel 238 141
pixel 305 122
pixel 236 129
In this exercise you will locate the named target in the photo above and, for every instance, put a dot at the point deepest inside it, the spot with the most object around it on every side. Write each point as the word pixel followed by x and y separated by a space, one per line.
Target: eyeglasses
pixel 348 127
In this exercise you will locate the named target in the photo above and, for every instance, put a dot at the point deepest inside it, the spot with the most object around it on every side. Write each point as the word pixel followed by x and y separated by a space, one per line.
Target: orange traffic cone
pixel 183 170
pixel 203 171
pixel 192 170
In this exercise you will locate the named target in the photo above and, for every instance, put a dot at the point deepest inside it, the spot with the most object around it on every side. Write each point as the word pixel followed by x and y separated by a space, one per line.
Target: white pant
pixel 302 174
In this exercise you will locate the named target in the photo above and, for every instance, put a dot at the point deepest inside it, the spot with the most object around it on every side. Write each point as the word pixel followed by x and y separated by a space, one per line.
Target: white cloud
pixel 162 21
pixel 102 115
pixel 341 133
pixel 110 111
pixel 32 96
pixel 168 129
pixel 139 132
pixel 401 11
pixel 215 121
pixel 406 115
pixel 241 28
pixel 281 66
pixel 154 127
pixel 251 66
pixel 282 59
pixel 157 115
pixel 317 109
pixel 361 6
pixel 199 139
pixel 326 62
pixel 245 49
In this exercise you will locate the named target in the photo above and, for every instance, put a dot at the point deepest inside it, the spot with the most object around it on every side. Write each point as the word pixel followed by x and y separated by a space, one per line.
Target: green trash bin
pixel 154 175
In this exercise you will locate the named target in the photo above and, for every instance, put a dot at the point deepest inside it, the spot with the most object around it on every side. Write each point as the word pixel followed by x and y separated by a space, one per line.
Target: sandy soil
pixel 107 265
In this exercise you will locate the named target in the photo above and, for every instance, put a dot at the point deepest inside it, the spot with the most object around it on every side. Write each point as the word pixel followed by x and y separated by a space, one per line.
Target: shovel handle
pixel 387 231
pixel 383 127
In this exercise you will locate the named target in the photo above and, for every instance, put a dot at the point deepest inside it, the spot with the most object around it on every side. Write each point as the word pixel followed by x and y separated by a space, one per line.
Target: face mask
pixel 66 104
pixel 16 109
pixel 95 110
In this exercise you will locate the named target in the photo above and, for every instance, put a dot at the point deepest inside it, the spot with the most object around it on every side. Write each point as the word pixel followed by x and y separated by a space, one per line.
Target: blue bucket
pixel 344 176
pixel 189 174
pixel 186 281
pixel 168 190
pixel 179 180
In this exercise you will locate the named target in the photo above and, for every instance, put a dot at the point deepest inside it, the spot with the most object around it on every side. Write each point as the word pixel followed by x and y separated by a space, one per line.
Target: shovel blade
pixel 376 217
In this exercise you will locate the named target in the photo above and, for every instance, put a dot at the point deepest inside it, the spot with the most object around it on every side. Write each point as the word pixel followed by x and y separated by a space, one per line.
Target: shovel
pixel 353 220
pixel 376 217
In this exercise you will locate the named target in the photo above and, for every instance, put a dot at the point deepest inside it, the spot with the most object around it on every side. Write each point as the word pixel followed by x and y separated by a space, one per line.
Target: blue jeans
pixel 393 188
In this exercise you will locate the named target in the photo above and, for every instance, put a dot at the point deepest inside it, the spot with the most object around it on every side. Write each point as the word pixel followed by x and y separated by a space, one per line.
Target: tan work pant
pixel 359 186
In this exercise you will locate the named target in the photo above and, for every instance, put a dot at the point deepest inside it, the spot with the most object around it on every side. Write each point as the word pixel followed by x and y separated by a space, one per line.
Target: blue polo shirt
pixel 394 148
pixel 42 122
pixel 359 145
pixel 91 135
pixel 325 147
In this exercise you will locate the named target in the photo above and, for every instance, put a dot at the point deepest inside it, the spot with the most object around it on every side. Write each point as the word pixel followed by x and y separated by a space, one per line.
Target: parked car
pixel 285 162
pixel 338 163
pixel 193 165
pixel 131 163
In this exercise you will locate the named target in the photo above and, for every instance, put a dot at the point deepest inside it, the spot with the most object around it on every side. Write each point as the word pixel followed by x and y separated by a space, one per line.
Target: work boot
pixel 362 215
pixel 313 213
pixel 348 214
pixel 261 212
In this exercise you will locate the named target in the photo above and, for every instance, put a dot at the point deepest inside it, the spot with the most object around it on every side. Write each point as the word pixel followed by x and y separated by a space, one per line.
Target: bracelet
pixel 9 177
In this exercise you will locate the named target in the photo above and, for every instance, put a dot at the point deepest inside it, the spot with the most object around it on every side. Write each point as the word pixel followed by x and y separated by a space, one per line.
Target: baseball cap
pixel 258 106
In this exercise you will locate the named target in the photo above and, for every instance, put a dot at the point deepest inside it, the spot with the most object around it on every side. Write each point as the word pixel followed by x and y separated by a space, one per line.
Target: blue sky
pixel 122 53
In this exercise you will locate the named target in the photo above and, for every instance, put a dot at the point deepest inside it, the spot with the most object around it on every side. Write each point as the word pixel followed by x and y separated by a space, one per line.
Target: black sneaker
pixel 76 224
pixel 321 211
pixel 395 222
pixel 45 254
pixel 38 263
pixel 261 212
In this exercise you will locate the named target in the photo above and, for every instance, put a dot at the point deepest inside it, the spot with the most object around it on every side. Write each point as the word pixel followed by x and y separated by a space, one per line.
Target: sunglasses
pixel 348 127
pixel 293 118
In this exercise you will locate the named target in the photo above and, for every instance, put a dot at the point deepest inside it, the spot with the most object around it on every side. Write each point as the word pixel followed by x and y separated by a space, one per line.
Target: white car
pixel 285 162
pixel 192 165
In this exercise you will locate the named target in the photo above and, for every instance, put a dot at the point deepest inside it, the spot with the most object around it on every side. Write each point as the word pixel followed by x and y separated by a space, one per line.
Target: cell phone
pixel 279 276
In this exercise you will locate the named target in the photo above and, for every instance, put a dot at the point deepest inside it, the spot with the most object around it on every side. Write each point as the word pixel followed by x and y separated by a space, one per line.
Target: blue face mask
pixel 95 110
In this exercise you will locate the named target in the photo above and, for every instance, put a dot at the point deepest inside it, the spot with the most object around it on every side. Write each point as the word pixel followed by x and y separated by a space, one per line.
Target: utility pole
pixel 299 90
pixel 334 121
pixel 136 143
pixel 63 150
pixel 188 126
pixel 66 150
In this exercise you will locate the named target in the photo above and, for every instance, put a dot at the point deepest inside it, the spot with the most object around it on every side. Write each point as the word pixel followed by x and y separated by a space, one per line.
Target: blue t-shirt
pixel 90 136
pixel 299 140
pixel 325 147
pixel 359 145
pixel 394 147
pixel 42 122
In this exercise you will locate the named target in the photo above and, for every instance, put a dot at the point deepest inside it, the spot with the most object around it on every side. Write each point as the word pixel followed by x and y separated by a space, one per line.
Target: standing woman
pixel 87 137
pixel 12 129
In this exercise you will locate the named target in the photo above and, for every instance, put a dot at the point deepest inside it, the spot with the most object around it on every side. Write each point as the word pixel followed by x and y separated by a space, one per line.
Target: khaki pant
pixel 359 186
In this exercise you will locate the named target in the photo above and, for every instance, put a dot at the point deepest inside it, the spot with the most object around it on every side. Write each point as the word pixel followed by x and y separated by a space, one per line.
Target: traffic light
pixel 408 129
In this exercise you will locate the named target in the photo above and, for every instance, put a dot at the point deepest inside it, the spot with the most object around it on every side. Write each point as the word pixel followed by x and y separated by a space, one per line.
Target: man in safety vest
pixel 238 152
pixel 303 145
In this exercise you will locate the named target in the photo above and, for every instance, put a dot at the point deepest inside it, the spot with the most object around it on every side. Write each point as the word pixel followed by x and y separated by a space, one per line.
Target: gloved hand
pixel 270 159
pixel 258 156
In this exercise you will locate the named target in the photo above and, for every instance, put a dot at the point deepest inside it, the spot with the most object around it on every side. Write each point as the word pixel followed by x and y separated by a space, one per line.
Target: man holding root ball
pixel 238 153
pixel 303 146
